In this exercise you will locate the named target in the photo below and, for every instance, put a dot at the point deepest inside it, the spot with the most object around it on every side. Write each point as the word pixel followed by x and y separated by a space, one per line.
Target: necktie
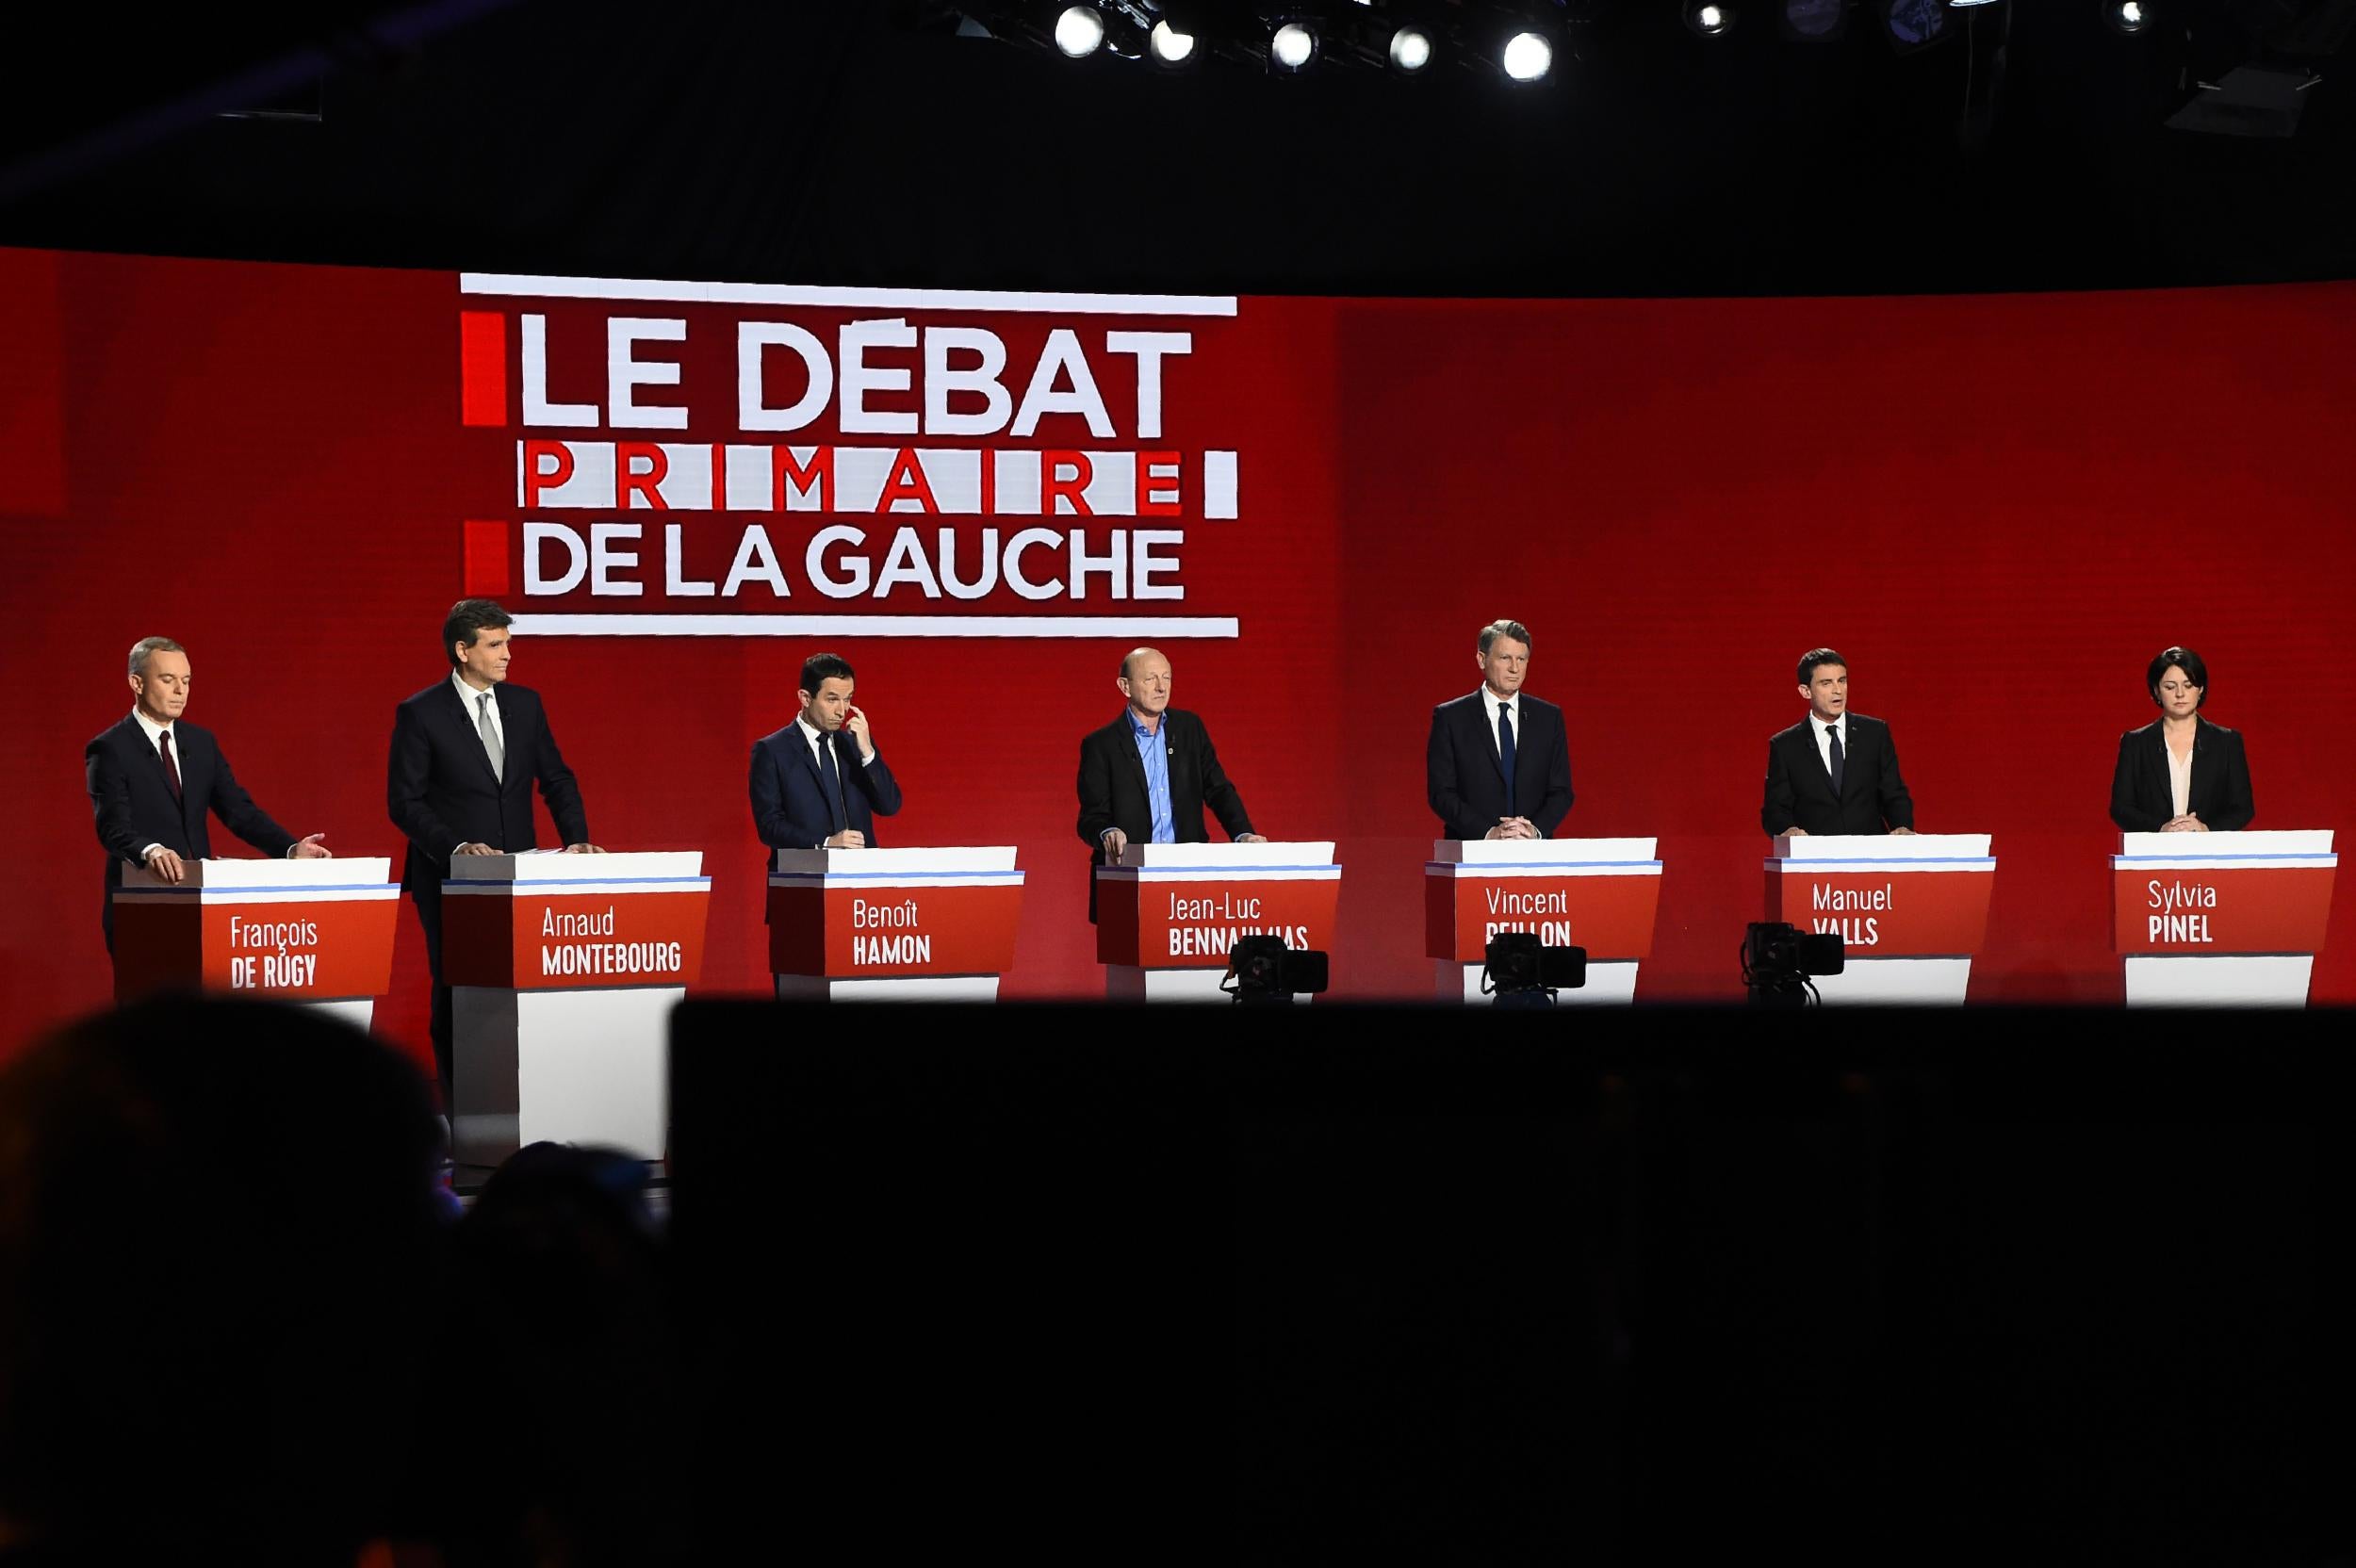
pixel 490 737
pixel 832 779
pixel 172 768
pixel 1832 733
pixel 1505 752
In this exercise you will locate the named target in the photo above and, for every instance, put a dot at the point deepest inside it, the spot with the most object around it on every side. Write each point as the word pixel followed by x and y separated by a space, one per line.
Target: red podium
pixel 893 925
pixel 319 932
pixel 2230 918
pixel 563 970
pixel 1595 893
pixel 1166 915
pixel 1910 910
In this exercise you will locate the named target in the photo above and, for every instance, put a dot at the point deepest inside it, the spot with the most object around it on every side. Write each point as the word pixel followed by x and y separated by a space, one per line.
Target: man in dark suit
pixel 152 778
pixel 818 783
pixel 1499 762
pixel 465 753
pixel 1835 771
pixel 1149 774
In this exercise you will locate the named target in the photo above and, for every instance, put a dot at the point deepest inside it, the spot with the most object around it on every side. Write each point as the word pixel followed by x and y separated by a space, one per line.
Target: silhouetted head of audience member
pixel 561 1322
pixel 219 1250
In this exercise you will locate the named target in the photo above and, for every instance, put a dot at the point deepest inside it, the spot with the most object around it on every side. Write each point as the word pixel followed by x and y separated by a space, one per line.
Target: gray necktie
pixel 490 737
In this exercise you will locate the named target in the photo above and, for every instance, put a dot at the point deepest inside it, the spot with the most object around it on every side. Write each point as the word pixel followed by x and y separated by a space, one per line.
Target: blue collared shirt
pixel 1153 751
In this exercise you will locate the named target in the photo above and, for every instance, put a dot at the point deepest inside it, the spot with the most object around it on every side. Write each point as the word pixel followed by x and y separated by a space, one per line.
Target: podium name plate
pixel 1186 905
pixel 881 914
pixel 1918 896
pixel 2252 892
pixel 298 930
pixel 557 922
pixel 1600 894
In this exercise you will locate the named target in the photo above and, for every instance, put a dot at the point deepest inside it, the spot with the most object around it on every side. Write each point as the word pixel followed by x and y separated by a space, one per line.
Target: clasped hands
pixel 2190 823
pixel 1513 827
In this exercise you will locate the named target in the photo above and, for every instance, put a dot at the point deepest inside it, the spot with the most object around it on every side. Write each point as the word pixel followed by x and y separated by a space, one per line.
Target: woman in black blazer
pixel 2181 773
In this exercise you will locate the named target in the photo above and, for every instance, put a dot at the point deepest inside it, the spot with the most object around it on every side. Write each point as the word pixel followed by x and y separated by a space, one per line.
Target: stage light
pixel 1528 57
pixel 1410 49
pixel 1778 961
pixel 1912 24
pixel 1078 31
pixel 1262 969
pixel 2126 16
pixel 1815 21
pixel 1169 45
pixel 1292 46
pixel 1709 21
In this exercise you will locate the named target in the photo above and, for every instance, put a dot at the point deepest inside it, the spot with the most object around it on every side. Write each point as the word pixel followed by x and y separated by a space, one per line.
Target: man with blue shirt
pixel 1149 775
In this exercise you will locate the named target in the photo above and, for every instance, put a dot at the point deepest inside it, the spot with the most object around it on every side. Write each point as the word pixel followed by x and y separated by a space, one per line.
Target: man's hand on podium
pixel 166 865
pixel 1901 832
pixel 1114 840
pixel 311 849
pixel 1513 827
pixel 474 849
pixel 2190 823
pixel 1250 837
pixel 1794 833
pixel 582 849
pixel 850 837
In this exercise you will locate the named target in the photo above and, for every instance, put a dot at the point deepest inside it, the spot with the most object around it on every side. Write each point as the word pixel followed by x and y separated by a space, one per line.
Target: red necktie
pixel 172 768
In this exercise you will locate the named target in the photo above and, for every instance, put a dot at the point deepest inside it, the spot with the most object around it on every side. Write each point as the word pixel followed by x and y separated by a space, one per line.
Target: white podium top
pixel 1550 853
pixel 2302 846
pixel 547 866
pixel 1883 848
pixel 1290 855
pixel 360 873
pixel 926 863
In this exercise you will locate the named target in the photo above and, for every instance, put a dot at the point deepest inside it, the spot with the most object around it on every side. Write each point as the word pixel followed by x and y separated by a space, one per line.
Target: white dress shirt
pixel 2179 777
pixel 1824 740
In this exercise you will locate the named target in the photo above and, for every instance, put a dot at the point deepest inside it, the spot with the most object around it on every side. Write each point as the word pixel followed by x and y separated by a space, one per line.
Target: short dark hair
pixel 819 668
pixel 1495 629
pixel 1814 657
pixel 2185 659
pixel 468 620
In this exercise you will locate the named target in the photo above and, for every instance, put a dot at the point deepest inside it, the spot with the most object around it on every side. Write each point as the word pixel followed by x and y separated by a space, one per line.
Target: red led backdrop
pixel 1999 508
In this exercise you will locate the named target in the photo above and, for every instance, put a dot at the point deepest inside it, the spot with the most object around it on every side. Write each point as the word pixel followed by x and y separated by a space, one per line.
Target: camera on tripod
pixel 1522 972
pixel 1262 969
pixel 1778 961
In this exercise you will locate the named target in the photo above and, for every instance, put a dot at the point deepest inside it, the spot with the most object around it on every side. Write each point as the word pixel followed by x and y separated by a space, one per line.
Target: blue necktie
pixel 833 782
pixel 1505 752
pixel 1832 733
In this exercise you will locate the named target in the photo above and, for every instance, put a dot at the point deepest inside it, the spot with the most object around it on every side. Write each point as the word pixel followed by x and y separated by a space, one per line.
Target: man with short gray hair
pixel 153 777
pixel 1498 764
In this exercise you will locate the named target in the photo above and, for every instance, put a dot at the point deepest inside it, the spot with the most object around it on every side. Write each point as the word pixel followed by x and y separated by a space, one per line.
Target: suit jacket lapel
pixel 1849 750
pixel 1484 737
pixel 2203 764
pixel 1126 744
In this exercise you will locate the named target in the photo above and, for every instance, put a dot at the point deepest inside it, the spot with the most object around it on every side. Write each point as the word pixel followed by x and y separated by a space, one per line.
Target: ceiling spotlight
pixel 2127 16
pixel 1169 45
pixel 1912 25
pixel 1709 21
pixel 1293 46
pixel 1814 21
pixel 1410 49
pixel 1079 30
pixel 1528 57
